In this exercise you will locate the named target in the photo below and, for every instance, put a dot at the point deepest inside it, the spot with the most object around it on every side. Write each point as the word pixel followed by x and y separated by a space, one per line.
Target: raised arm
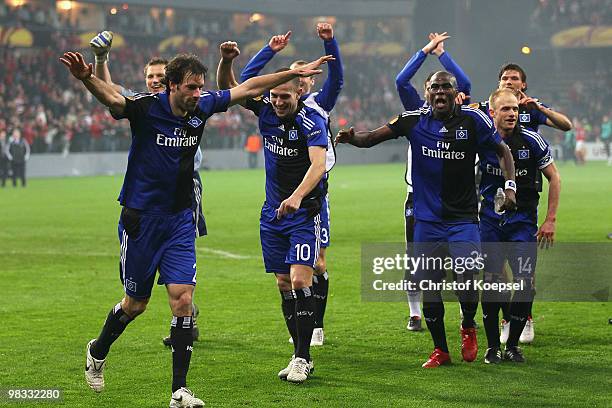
pixel 364 139
pixel 103 92
pixel 101 45
pixel 225 71
pixel 408 94
pixel 256 64
pixel 256 86
pixel 335 78
pixel 309 182
pixel 546 232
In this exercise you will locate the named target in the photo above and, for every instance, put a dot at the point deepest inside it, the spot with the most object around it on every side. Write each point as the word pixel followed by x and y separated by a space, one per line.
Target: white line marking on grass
pixel 224 254
pixel 218 252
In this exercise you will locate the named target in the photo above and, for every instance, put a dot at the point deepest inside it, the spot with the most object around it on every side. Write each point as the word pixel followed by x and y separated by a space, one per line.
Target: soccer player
pixel 323 101
pixel 445 138
pixel 295 141
pixel 156 223
pixel 518 228
pixel 411 100
pixel 154 72
pixel 532 114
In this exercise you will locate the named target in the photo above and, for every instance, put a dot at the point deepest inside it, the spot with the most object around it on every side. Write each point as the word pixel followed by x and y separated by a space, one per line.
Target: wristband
pixel 101 59
pixel 510 185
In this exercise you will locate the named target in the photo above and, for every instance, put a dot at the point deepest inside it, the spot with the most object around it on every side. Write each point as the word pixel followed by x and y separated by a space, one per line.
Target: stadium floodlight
pixel 526 50
pixel 65 5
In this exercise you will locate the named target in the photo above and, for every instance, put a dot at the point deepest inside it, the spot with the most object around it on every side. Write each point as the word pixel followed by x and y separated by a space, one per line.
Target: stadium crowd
pixel 561 14
pixel 55 114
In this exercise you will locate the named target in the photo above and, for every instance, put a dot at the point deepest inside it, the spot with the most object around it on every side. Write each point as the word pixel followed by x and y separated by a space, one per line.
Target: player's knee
pixel 300 281
pixel 320 266
pixel 134 307
pixel 283 282
pixel 182 303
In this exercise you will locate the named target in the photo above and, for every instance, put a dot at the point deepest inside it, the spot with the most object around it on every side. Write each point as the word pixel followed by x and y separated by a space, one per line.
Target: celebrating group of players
pixel 161 193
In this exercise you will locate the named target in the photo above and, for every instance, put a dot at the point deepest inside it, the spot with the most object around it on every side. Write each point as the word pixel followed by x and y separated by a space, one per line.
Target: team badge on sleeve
pixel 523 154
pixel 461 134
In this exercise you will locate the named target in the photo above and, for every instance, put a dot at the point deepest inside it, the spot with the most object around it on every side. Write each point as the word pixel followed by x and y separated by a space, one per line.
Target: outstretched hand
pixel 229 50
pixel 325 31
pixel 278 42
pixel 344 136
pixel 75 62
pixel 312 68
pixel 435 41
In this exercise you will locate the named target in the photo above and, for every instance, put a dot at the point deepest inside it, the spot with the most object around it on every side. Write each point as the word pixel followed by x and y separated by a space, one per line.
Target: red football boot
pixel 437 358
pixel 469 344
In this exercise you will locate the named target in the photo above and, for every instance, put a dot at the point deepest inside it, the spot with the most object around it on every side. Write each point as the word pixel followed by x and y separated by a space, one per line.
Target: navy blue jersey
pixel 531 119
pixel 286 144
pixel 159 176
pixel 443 155
pixel 531 153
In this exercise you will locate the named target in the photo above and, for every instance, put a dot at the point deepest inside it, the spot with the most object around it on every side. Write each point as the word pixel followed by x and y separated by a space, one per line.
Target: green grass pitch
pixel 59 268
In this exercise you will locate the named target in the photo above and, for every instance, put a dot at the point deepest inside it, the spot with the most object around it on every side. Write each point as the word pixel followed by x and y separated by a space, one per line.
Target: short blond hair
pixel 499 92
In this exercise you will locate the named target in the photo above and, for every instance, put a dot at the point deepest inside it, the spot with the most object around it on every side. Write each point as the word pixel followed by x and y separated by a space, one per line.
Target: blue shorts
pixel 294 239
pixel 196 206
pixel 325 234
pixel 151 242
pixel 458 241
pixel 515 242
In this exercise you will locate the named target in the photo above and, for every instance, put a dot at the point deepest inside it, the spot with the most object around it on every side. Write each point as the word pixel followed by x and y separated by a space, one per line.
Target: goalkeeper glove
pixel 101 45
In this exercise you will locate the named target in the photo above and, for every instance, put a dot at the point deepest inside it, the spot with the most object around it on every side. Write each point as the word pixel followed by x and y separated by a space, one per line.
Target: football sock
pixel 304 311
pixel 519 310
pixel 320 287
pixel 490 316
pixel 505 304
pixel 433 311
pixel 288 307
pixel 182 346
pixel 115 324
pixel 469 302
pixel 414 303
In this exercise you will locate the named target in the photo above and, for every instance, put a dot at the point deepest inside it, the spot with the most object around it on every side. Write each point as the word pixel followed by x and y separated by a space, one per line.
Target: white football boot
pixel 94 370
pixel 184 398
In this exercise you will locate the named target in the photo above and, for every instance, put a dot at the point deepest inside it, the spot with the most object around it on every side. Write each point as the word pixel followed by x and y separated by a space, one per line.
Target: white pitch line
pixel 224 254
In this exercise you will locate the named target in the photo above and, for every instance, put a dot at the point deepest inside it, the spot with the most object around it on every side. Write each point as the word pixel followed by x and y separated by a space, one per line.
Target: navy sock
pixel 320 287
pixel 115 324
pixel 181 333
pixel 288 307
pixel 304 312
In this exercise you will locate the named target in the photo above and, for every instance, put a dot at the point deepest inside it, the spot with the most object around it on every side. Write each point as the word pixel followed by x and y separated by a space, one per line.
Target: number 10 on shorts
pixel 302 252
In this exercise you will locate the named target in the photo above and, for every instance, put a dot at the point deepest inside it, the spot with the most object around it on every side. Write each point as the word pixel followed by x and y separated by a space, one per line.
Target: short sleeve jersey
pixel 161 157
pixel 286 144
pixel 443 155
pixel 531 153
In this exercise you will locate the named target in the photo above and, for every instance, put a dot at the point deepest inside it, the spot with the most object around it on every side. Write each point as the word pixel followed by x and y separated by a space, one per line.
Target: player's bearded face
pixel 153 78
pixel 285 99
pixel 187 93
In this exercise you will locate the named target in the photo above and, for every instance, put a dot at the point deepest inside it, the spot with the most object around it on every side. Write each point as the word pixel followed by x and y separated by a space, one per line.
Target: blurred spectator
pixel 605 136
pixel 4 161
pixel 253 147
pixel 18 155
